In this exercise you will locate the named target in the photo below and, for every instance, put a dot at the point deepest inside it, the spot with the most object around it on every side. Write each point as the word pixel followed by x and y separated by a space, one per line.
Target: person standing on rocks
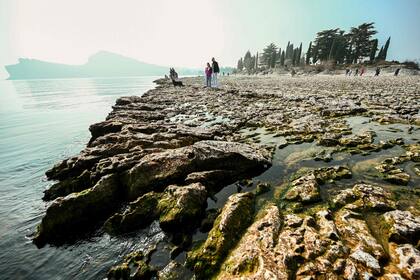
pixel 208 71
pixel 216 70
pixel 378 71
pixel 397 72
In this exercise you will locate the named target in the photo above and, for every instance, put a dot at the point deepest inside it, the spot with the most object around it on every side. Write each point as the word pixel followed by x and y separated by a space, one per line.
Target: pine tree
pixel 385 51
pixel 361 40
pixel 373 50
pixel 308 53
pixel 248 63
pixel 269 55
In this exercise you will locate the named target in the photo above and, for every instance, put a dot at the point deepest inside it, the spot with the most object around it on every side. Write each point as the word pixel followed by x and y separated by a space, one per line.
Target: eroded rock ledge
pixel 159 157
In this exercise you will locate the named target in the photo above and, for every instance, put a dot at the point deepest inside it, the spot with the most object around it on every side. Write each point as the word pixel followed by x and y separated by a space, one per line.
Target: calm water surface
pixel 42 122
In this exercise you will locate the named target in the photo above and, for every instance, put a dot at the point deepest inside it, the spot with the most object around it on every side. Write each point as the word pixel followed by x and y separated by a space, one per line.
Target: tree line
pixel 332 45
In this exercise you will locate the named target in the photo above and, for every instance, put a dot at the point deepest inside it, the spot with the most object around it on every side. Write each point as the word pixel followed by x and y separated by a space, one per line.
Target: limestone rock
pixel 234 218
pixel 404 226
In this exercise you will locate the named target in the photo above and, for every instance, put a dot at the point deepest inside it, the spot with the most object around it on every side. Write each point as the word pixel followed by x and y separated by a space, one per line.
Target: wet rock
pixel 154 170
pixel 304 189
pixel 355 140
pixel 174 271
pixel 138 214
pixel 78 211
pixel 329 139
pixel 234 218
pixel 404 226
pixel 133 267
pixel 177 206
pixel 208 221
pixel 68 186
pixel 365 197
pixel 328 174
pixel 181 206
pixel 262 188
pixel 352 228
pixel 214 180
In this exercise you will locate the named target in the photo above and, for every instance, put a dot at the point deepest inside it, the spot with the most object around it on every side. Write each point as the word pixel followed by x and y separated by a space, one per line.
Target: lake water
pixel 42 122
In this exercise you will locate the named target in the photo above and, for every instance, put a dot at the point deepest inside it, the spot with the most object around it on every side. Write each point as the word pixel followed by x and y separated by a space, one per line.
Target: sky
pixel 189 32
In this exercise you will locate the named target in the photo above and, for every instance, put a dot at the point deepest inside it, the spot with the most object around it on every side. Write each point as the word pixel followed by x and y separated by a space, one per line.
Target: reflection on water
pixel 41 122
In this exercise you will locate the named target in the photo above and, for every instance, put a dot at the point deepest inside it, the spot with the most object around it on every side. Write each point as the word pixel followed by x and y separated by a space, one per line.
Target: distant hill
pixel 101 64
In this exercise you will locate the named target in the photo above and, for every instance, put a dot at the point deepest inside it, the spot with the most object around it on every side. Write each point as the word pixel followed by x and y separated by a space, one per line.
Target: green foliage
pixel 269 55
pixel 240 64
pixel 385 52
pixel 332 46
pixel 361 40
pixel 308 53
pixel 373 50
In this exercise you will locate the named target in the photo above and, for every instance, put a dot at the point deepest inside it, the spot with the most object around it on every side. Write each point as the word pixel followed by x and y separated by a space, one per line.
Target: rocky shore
pixel 270 177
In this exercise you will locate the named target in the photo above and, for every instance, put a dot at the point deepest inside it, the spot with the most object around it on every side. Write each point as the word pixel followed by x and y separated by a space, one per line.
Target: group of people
pixel 211 72
pixel 362 71
pixel 349 72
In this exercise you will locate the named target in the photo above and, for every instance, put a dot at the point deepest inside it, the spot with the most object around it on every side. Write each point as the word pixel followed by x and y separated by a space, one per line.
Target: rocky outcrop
pixel 177 206
pixel 234 218
pixel 404 226
pixel 150 176
pixel 66 216
pixel 306 189
pixel 156 160
pixel 156 170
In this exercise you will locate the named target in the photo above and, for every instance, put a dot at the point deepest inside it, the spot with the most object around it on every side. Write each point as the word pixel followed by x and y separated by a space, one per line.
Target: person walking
pixel 208 71
pixel 216 70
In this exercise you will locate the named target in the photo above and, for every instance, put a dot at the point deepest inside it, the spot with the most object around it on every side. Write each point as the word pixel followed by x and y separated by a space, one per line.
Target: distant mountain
pixel 101 64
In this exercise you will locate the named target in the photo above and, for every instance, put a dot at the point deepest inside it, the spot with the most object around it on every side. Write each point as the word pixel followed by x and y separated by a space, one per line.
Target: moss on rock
pixel 234 218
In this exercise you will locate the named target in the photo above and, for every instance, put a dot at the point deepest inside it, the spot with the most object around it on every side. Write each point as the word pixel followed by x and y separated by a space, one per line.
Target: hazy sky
pixel 190 32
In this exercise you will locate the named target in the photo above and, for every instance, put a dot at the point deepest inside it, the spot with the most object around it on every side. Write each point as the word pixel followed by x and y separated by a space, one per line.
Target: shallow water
pixel 41 122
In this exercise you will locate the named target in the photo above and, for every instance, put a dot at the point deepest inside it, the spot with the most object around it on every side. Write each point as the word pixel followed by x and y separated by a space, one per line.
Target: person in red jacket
pixel 209 72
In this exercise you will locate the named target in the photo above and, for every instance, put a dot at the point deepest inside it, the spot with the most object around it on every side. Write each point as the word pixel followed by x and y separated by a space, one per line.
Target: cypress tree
pixel 282 58
pixel 385 51
pixel 379 57
pixel 308 53
pixel 299 54
pixel 287 50
pixel 373 50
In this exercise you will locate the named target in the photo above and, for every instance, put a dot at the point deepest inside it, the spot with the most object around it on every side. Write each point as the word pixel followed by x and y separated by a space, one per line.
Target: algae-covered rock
pixel 254 256
pixel 138 214
pixel 134 267
pixel 177 206
pixel 154 170
pixel 404 226
pixel 77 211
pixel 262 188
pixel 304 189
pixel 174 271
pixel 236 215
pixel 182 206
pixel 68 186
pixel 364 197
